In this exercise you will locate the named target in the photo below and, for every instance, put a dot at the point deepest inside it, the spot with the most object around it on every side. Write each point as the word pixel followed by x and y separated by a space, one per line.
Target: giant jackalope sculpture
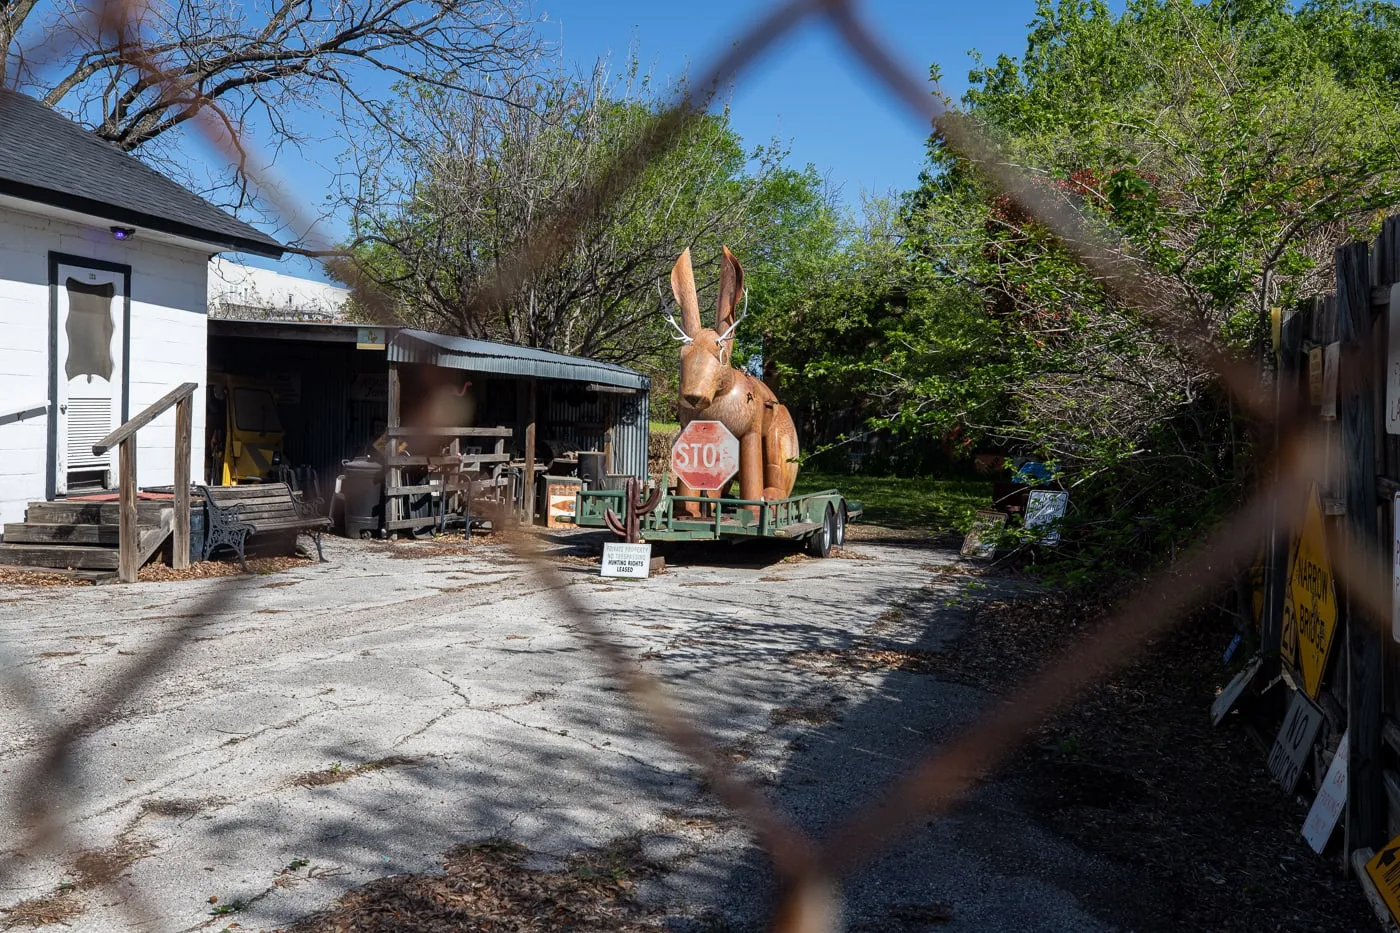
pixel 712 390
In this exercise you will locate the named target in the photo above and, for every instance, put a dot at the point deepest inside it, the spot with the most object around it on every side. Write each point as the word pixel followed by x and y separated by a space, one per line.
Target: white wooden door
pixel 88 342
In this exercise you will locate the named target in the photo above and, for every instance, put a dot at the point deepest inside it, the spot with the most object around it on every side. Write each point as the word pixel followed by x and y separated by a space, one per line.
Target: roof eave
pixel 459 353
pixel 258 246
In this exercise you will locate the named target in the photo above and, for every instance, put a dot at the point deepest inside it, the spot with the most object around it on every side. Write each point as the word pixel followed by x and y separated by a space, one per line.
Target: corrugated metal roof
pixel 485 356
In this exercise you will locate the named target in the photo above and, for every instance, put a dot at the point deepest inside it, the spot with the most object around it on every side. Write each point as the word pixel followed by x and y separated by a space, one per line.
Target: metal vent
pixel 89 420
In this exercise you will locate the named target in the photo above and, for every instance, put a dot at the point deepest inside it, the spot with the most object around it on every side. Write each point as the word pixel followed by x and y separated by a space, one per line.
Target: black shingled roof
pixel 47 158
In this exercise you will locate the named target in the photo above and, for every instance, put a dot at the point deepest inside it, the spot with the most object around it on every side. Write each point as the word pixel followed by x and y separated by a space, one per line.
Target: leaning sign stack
pixel 1328 652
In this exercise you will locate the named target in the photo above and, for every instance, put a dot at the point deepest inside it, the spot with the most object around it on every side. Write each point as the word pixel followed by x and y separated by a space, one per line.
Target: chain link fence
pixel 809 869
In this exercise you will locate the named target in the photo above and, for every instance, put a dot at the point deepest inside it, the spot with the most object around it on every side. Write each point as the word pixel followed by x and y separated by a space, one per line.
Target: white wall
pixel 168 344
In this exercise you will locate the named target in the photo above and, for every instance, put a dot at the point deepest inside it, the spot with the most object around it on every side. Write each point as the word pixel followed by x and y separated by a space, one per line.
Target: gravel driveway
pixel 340 722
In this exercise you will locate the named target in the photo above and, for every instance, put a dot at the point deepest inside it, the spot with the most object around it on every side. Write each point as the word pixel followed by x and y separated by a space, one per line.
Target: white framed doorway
pixel 90 352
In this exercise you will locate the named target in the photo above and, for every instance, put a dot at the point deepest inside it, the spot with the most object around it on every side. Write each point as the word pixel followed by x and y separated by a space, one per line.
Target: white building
pixel 242 292
pixel 104 267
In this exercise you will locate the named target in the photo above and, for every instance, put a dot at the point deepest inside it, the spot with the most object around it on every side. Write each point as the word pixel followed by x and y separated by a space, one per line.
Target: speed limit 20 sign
pixel 705 456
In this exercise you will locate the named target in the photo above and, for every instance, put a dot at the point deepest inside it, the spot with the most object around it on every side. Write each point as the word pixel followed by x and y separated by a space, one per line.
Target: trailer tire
pixel 819 541
pixel 838 535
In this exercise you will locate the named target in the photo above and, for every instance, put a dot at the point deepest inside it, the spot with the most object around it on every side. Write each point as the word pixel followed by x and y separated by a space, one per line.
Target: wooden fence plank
pixel 1366 802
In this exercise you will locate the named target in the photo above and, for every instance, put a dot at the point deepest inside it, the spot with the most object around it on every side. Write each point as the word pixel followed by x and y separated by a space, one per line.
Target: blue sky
pixel 808 91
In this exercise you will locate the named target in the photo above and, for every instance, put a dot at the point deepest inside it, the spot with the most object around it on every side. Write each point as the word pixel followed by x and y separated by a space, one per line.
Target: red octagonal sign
pixel 705 456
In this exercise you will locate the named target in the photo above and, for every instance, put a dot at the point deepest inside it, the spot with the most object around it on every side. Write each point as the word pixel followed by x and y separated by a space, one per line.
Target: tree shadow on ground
pixel 370 741
pixel 868 712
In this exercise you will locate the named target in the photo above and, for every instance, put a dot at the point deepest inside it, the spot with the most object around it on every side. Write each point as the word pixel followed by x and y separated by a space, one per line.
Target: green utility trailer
pixel 818 519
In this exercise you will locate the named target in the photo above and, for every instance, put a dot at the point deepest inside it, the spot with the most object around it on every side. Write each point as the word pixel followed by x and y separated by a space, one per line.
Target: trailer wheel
pixel 819 541
pixel 838 535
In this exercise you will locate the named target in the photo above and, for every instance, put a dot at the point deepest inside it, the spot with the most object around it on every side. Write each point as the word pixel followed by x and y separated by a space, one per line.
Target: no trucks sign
pixel 705 456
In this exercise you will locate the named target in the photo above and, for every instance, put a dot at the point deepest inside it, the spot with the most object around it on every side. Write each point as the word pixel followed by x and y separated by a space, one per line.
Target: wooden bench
pixel 237 513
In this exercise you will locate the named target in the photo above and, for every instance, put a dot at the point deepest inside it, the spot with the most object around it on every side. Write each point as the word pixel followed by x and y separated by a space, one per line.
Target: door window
pixel 90 329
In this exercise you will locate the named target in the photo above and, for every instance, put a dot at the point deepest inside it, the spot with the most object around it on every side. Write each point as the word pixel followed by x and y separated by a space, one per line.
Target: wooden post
pixel 610 416
pixel 392 476
pixel 129 534
pixel 528 494
pixel 1356 403
pixel 180 535
pixel 1287 411
pixel 1290 408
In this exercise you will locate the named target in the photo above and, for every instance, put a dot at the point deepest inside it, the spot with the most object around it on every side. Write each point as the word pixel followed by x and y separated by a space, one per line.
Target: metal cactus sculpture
pixel 630 527
pixel 713 390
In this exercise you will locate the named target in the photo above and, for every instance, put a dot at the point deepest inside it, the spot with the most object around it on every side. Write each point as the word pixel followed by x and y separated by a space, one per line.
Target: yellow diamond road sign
pixel 1384 871
pixel 1310 609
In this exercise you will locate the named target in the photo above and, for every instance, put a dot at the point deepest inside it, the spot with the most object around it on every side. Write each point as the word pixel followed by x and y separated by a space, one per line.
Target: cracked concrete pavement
pixel 367 714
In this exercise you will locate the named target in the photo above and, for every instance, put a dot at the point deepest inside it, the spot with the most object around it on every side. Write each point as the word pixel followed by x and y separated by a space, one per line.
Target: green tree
pixel 1223 148
pixel 1227 147
pixel 471 175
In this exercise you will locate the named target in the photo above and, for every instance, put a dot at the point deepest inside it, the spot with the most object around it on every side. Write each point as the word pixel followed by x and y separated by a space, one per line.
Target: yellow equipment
pixel 244 432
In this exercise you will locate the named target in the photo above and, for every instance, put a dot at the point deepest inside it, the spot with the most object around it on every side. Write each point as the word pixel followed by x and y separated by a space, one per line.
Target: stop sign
pixel 705 456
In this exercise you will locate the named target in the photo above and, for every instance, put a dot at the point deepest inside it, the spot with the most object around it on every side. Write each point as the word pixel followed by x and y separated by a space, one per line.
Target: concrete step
pixel 47 533
pixel 78 512
pixel 59 556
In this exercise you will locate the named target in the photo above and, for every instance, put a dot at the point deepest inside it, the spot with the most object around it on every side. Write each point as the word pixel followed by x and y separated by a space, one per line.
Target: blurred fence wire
pixel 808 868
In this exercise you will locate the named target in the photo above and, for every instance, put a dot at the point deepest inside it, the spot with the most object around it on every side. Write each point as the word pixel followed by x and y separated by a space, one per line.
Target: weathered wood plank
pixel 66 533
pixel 287 523
pixel 1356 404
pixel 252 505
pixel 412 490
pixel 59 556
pixel 184 429
pixel 1290 405
pixel 393 475
pixel 610 409
pixel 1390 732
pixel 251 490
pixel 91 513
pixel 128 562
pixel 271 510
pixel 469 461
pixel 528 493
pixel 398 524
pixel 150 540
pixel 412 431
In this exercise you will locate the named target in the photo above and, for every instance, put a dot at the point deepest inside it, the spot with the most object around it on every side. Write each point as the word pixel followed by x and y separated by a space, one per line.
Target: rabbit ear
pixel 683 287
pixel 731 291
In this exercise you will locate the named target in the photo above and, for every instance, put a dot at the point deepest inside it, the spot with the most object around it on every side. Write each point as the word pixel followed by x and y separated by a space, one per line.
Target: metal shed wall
pixel 566 410
pixel 569 413
pixel 630 437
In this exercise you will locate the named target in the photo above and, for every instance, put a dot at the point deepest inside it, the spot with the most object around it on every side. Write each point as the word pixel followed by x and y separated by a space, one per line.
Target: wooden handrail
pixel 124 438
pixel 23 412
pixel 149 414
